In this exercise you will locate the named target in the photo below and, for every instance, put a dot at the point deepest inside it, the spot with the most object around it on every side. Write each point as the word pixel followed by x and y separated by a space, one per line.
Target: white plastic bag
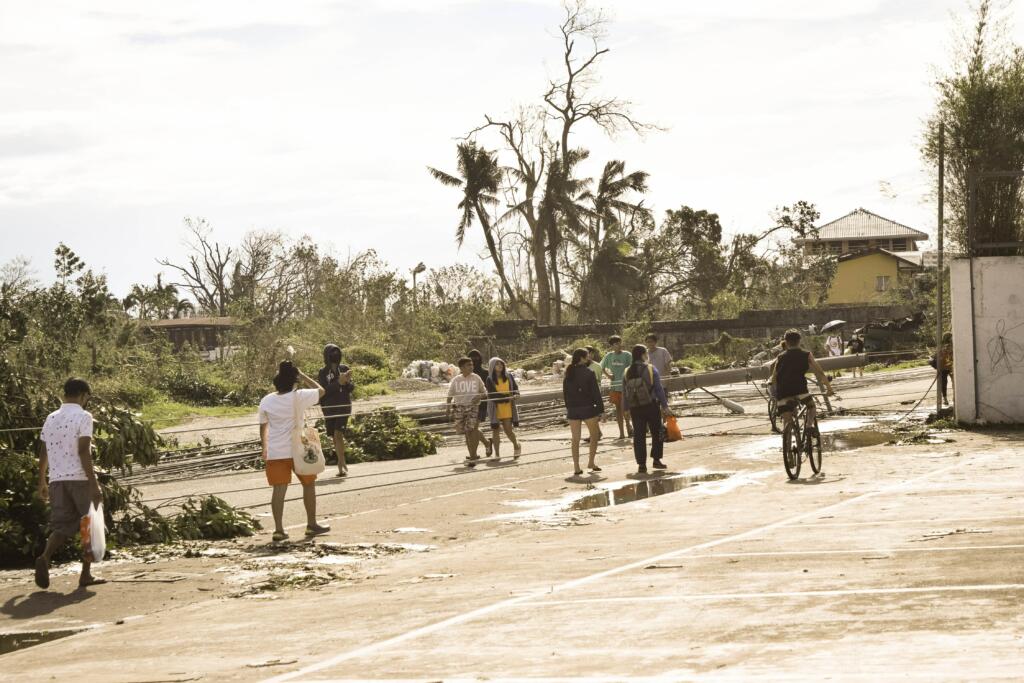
pixel 94 533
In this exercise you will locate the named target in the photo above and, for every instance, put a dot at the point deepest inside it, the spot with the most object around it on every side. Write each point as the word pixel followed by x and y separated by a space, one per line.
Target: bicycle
pixel 800 440
pixel 773 406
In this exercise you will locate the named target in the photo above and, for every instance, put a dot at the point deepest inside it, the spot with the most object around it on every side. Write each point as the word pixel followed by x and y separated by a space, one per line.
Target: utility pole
pixel 939 274
pixel 420 267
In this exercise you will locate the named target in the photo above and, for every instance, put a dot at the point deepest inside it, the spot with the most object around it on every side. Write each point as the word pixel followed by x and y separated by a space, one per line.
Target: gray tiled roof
pixel 862 224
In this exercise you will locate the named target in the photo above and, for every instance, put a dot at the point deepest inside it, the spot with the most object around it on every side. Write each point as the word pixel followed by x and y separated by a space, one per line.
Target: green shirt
pixel 617 363
pixel 596 369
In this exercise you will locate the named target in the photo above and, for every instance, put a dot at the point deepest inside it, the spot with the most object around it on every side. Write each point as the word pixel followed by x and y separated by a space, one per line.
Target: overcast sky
pixel 319 118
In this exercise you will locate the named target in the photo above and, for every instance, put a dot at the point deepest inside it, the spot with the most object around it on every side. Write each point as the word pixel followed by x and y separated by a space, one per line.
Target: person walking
pixel 465 393
pixel 659 356
pixel 278 413
pixel 502 411
pixel 480 371
pixel 583 405
pixel 944 364
pixel 834 344
pixel 614 365
pixel 65 449
pixel 853 347
pixel 336 403
pixel 644 397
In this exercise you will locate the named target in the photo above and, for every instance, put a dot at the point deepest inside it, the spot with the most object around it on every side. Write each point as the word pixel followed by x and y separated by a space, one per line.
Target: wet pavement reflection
pixel 638 490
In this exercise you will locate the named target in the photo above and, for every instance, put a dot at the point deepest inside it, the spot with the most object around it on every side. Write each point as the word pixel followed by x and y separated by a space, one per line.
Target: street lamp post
pixel 420 267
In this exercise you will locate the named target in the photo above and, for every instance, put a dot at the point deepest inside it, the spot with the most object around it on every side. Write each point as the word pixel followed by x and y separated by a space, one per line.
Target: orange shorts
pixel 615 397
pixel 280 472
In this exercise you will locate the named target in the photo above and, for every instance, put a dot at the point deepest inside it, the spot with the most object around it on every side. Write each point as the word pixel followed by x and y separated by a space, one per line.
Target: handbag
pixel 672 431
pixel 307 454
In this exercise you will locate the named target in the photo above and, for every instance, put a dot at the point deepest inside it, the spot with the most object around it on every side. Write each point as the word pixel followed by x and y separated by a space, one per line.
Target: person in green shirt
pixel 614 365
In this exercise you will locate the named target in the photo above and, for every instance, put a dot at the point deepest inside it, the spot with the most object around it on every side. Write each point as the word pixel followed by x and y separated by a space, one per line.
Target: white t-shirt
pixel 834 344
pixel 467 390
pixel 61 432
pixel 278 412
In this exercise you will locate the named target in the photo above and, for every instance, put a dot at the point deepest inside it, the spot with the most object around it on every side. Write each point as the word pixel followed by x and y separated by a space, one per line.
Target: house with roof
pixel 871 275
pixel 861 230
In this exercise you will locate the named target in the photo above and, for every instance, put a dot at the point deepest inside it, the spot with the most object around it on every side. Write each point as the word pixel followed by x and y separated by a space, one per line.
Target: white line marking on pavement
pixel 568 585
pixel 921 549
pixel 943 520
pixel 984 587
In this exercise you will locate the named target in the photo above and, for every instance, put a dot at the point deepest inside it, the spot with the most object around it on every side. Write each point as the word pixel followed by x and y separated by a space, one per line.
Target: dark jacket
pixel 581 391
pixel 336 393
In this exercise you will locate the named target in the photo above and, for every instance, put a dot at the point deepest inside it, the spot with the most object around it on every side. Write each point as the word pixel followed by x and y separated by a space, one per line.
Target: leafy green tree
pixel 981 104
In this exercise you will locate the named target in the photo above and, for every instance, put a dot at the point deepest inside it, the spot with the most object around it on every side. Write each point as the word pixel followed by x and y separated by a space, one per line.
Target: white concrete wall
pixel 999 334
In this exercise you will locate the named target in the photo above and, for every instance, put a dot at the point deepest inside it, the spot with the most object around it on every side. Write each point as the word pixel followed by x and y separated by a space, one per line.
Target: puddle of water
pixel 12 642
pixel 638 490
pixel 851 440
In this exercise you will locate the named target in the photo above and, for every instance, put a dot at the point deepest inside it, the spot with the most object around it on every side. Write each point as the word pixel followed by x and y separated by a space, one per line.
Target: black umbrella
pixel 832 325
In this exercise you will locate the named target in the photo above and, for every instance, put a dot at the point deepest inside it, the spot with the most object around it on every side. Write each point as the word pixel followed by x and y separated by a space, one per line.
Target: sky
pixel 320 118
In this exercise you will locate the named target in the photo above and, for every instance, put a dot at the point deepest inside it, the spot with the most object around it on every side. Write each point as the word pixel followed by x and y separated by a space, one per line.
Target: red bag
pixel 672 431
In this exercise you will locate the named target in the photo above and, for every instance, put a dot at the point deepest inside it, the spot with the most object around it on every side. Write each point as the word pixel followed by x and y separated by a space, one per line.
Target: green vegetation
pixel 897 365
pixel 384 435
pixel 165 413
pixel 211 518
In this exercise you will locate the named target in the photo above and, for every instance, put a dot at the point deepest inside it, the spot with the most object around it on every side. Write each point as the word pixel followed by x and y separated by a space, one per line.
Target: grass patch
pixel 167 413
pixel 889 367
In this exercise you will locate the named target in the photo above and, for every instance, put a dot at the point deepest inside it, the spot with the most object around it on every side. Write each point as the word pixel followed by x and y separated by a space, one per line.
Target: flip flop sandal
pixel 93 581
pixel 279 536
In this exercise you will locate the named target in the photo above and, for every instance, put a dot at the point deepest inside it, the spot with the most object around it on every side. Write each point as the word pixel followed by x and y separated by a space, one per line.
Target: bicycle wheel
pixel 773 407
pixel 812 446
pixel 791 450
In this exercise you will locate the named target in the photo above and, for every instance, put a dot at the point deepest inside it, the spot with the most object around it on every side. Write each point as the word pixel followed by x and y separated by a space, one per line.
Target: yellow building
pixel 868 276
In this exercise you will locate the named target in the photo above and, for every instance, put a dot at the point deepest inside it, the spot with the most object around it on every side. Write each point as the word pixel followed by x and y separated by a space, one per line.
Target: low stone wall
pixel 520 338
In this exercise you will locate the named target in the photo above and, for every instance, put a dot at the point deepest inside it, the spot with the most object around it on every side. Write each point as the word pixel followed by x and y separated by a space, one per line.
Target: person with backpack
pixel 502 411
pixel 644 397
pixel 583 405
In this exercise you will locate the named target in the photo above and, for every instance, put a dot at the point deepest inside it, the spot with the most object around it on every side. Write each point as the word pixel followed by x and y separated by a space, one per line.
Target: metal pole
pixel 972 210
pixel 939 275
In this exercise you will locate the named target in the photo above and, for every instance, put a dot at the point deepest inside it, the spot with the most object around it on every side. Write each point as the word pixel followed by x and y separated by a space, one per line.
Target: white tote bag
pixel 307 455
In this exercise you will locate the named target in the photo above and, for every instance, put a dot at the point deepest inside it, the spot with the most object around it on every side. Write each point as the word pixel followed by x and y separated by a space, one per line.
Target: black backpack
pixel 638 392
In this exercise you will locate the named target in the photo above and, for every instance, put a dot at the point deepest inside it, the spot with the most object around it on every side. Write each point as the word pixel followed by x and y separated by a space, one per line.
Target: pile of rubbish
pixel 440 372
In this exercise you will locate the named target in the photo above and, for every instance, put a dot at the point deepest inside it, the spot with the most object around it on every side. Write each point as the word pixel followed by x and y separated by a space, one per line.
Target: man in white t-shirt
pixel 658 356
pixel 277 423
pixel 65 449
pixel 465 393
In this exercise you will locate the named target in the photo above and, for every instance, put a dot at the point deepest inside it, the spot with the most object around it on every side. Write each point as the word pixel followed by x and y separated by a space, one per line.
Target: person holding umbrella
pixel 834 343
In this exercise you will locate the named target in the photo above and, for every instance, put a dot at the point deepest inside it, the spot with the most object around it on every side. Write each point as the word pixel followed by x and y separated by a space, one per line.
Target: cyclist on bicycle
pixel 789 378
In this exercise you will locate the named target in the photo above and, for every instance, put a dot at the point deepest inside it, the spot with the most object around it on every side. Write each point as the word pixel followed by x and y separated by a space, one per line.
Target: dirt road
pixel 900 562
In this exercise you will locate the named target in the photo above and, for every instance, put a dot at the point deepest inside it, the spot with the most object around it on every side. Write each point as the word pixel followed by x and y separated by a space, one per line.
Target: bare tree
pixel 207 274
pixel 571 99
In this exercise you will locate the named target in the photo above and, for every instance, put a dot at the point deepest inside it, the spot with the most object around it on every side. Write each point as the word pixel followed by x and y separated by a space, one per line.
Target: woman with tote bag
pixel 288 448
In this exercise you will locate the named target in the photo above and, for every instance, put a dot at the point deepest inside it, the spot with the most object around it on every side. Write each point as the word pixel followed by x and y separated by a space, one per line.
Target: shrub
pixel 190 386
pixel 368 356
pixel 386 435
pixel 211 517
pixel 23 517
pixel 133 392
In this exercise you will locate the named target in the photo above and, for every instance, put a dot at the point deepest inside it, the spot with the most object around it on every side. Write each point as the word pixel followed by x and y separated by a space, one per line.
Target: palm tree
pixel 561 213
pixel 606 247
pixel 480 178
